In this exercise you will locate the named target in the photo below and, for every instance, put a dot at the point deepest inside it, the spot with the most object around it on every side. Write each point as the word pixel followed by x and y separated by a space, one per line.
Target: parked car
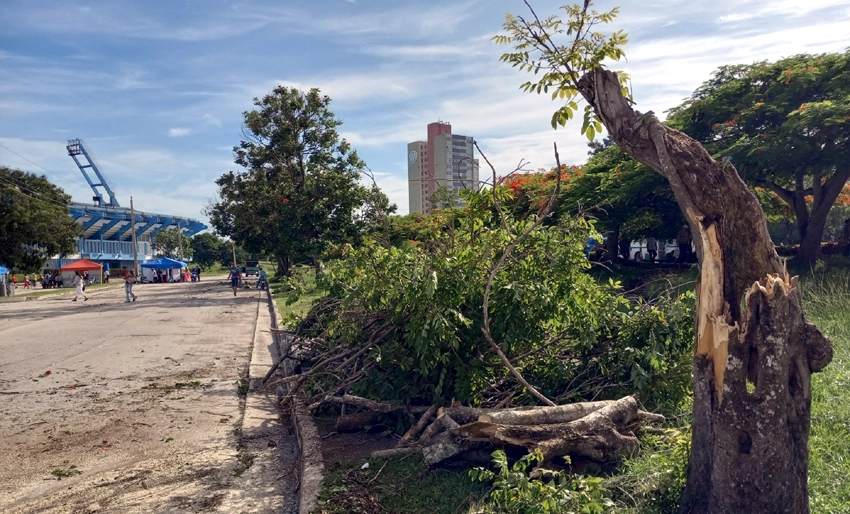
pixel 252 268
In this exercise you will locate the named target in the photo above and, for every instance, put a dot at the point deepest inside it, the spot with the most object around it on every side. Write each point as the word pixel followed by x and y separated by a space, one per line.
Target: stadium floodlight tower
pixel 76 148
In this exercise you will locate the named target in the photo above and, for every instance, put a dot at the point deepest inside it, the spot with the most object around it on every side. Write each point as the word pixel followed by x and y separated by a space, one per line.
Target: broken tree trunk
pixel 749 451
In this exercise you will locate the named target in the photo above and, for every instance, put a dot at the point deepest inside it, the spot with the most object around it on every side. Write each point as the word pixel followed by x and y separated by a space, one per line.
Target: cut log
pixel 649 417
pixel 419 425
pixel 442 447
pixel 444 422
pixel 544 415
pixel 595 436
pixel 395 452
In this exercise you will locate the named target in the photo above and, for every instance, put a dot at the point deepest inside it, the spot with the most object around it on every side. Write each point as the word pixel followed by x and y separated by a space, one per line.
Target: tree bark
pixel 284 266
pixel 749 451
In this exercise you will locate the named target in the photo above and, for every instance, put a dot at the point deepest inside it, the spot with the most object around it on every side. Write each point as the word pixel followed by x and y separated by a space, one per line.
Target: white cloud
pixel 179 132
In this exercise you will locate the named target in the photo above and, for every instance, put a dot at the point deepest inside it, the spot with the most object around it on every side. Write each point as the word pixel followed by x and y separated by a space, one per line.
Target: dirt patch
pixel 352 446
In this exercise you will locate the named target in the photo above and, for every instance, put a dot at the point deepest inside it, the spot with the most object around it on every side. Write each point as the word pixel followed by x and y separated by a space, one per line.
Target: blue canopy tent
pixel 4 270
pixel 164 263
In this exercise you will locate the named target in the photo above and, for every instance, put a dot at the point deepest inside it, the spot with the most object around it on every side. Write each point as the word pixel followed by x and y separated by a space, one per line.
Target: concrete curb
pixel 262 438
pixel 309 444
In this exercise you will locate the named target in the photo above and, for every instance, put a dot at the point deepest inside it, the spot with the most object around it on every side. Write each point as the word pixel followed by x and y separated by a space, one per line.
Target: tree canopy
pixel 300 191
pixel 205 249
pixel 785 127
pixel 34 221
pixel 167 243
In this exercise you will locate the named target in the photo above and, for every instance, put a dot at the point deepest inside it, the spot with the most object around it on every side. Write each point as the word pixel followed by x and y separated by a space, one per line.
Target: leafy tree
pixel 167 243
pixel 226 252
pixel 299 194
pixel 755 350
pixel 34 221
pixel 785 127
pixel 628 198
pixel 206 249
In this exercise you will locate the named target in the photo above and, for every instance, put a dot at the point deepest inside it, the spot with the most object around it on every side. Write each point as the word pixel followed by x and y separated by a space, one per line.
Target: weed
pixel 515 491
pixel 194 383
pixel 60 473
pixel 244 461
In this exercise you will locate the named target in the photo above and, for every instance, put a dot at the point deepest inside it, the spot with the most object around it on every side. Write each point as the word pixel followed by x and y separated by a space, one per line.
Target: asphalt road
pixel 108 406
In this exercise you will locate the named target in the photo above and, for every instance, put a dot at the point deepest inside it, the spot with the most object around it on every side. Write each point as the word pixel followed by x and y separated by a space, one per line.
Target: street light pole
pixel 133 239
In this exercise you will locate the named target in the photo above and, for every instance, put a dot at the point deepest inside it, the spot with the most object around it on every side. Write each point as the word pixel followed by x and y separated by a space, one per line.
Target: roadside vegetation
pixel 527 295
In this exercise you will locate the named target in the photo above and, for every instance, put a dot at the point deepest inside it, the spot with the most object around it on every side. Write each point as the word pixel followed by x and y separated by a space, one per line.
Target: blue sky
pixel 157 88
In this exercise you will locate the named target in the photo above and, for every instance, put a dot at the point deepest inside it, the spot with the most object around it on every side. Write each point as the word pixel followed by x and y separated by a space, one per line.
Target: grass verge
pixel 400 485
pixel 47 292
pixel 295 296
pixel 827 300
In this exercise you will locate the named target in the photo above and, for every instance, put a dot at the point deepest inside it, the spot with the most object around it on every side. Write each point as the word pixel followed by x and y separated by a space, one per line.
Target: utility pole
pixel 234 251
pixel 180 239
pixel 133 236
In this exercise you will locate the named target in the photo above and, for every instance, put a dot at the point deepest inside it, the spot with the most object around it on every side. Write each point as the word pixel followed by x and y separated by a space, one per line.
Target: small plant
pixel 194 383
pixel 60 473
pixel 515 491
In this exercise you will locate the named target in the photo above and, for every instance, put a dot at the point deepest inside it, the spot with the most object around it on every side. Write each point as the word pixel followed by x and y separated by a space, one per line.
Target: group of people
pixel 51 279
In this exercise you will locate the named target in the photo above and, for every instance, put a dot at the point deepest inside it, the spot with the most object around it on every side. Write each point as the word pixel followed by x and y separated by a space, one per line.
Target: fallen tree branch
pixel 595 436
pixel 419 425
pixel 505 254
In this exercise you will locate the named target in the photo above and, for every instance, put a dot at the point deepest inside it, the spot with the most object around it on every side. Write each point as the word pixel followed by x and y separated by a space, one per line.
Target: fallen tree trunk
pixel 544 415
pixel 602 431
pixel 596 436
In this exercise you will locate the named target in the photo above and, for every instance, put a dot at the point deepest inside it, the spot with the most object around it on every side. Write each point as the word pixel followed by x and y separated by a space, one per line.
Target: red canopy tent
pixel 82 265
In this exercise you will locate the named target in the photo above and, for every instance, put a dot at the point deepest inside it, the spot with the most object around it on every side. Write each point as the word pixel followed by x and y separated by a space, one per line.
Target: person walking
pixel 26 281
pixel 79 283
pixel 129 280
pixel 234 278
pixel 652 248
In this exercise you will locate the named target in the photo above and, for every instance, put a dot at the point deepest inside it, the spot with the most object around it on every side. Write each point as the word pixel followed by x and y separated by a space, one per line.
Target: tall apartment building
pixel 444 160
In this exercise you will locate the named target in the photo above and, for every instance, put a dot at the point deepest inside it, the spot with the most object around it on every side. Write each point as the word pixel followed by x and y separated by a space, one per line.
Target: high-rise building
pixel 445 161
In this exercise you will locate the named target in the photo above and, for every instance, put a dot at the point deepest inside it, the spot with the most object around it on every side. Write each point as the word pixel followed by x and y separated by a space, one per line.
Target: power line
pixel 18 187
pixel 40 166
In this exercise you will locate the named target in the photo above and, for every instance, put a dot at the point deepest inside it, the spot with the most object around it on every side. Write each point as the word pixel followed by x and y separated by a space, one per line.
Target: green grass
pixel 295 296
pixel 401 485
pixel 46 292
pixel 827 300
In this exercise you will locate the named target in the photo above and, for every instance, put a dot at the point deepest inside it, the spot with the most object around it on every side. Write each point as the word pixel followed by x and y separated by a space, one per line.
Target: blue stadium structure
pixel 108 227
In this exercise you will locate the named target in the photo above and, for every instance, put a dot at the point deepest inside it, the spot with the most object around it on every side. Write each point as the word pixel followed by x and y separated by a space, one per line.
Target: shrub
pixel 516 492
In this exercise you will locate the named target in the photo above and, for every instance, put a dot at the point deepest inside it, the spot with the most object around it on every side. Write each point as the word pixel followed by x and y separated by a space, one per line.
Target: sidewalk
pixel 271 483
